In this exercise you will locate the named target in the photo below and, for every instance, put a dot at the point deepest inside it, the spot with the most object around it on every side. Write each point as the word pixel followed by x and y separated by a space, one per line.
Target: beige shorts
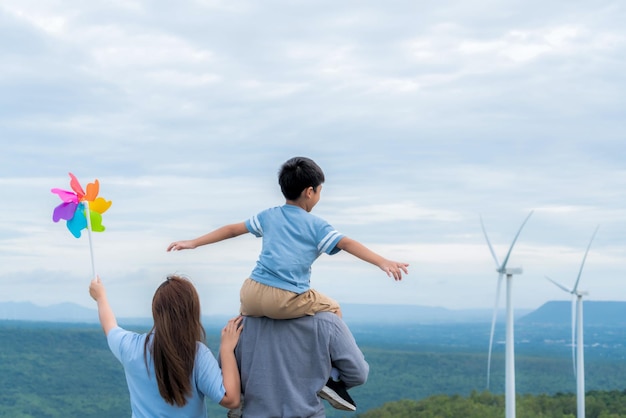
pixel 261 300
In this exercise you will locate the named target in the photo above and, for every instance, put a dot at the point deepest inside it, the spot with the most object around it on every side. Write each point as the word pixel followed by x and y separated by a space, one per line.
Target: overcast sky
pixel 423 115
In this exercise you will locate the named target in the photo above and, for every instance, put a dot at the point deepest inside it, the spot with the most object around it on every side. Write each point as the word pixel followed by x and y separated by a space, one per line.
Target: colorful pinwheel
pixel 75 206
pixel 76 203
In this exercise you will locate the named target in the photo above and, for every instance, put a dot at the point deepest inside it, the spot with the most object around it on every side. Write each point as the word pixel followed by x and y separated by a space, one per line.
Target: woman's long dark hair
pixel 177 329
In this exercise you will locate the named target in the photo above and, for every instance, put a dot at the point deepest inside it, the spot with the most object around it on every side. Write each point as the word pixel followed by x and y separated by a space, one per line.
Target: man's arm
pixel 347 357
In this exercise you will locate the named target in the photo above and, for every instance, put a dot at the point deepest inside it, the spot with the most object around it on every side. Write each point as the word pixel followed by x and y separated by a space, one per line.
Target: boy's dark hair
pixel 298 173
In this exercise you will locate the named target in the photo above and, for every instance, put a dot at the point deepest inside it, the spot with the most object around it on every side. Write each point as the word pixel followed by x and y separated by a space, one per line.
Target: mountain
pixel 352 314
pixel 596 313
pixel 62 312
pixel 550 313
pixel 417 314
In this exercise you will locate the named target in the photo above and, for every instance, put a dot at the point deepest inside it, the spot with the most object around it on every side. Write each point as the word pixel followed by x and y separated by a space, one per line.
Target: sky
pixel 424 116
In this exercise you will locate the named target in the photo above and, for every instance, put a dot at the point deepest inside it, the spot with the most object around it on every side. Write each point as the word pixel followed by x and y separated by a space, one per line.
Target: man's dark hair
pixel 298 173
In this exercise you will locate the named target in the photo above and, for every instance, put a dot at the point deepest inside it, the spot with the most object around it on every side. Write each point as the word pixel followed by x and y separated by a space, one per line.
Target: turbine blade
pixel 506 259
pixel 493 253
pixel 493 327
pixel 585 258
pixel 574 333
pixel 560 285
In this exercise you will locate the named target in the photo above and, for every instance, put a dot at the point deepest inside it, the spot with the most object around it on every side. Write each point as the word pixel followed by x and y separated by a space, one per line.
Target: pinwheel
pixel 76 204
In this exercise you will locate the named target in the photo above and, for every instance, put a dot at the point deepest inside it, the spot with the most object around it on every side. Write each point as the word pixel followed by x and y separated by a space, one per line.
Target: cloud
pixel 424 119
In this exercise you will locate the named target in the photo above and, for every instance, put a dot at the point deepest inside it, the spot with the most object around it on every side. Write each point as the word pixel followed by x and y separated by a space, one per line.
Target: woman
pixel 170 370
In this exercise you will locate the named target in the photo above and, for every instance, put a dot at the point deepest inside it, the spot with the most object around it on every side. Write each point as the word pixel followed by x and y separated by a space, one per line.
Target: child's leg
pixel 312 302
pixel 336 393
pixel 261 300
pixel 258 299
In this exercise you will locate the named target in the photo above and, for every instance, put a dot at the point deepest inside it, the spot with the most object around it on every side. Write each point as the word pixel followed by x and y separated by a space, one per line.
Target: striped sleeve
pixel 327 244
pixel 254 226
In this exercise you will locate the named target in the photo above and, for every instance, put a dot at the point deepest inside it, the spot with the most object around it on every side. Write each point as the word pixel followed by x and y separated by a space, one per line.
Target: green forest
pixel 67 370
pixel 599 404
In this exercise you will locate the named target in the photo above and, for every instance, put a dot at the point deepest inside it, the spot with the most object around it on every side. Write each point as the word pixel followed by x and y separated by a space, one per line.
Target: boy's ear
pixel 308 192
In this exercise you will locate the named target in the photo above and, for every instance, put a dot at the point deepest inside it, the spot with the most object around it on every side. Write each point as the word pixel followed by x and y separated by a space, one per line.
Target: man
pixel 284 364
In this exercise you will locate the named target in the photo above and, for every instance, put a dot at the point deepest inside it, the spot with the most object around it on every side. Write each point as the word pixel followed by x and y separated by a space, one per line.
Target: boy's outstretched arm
pixel 392 268
pixel 105 313
pixel 220 234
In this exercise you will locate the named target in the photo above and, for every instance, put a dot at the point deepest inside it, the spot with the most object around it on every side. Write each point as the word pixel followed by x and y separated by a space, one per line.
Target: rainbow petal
pixel 65 195
pixel 78 222
pixel 100 205
pixel 65 210
pixel 96 221
pixel 76 186
pixel 92 190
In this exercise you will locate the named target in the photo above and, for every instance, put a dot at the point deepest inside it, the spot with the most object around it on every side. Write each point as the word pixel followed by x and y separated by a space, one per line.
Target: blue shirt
pixel 145 399
pixel 284 363
pixel 292 240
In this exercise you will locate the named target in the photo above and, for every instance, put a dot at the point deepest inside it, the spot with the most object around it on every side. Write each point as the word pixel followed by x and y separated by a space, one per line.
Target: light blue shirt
pixel 292 240
pixel 284 363
pixel 145 399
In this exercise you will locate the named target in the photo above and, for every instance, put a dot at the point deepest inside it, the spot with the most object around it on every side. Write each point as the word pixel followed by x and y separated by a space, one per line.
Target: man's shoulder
pixel 333 323
pixel 326 317
pixel 305 321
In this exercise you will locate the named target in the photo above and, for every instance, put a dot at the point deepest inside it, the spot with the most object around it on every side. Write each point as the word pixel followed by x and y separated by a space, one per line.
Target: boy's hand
pixel 231 333
pixel 394 269
pixel 181 245
pixel 96 289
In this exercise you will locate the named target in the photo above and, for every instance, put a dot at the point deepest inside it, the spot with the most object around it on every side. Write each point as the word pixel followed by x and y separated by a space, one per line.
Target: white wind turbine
pixel 578 359
pixel 509 344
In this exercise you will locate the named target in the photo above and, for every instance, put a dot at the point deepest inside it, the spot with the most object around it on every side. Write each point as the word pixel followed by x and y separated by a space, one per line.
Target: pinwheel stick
pixel 88 216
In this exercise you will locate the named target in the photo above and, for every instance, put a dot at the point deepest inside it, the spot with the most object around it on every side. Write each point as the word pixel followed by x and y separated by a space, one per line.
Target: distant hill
pixel 416 314
pixel 352 314
pixel 550 313
pixel 62 312
pixel 596 313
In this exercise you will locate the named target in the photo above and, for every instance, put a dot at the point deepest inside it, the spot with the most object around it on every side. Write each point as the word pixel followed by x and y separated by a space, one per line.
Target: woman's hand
pixel 96 289
pixel 105 313
pixel 231 333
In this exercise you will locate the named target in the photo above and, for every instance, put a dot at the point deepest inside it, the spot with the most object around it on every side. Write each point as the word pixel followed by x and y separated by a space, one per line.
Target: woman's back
pixel 170 371
pixel 145 399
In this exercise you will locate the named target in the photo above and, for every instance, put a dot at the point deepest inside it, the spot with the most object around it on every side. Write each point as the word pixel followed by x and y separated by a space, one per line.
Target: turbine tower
pixel 578 356
pixel 510 343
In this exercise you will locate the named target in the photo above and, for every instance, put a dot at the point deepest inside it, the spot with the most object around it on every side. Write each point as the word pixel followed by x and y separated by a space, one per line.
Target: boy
pixel 293 238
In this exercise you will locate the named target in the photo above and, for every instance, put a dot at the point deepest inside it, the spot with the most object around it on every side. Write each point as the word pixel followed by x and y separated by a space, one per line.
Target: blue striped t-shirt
pixel 292 240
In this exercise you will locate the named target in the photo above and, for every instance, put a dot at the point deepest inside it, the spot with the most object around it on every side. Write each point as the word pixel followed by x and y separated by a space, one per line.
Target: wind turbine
pixel 509 344
pixel 578 356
